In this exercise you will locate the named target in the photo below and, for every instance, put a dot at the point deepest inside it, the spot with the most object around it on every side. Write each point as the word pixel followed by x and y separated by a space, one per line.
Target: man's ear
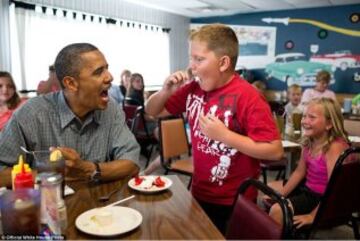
pixel 70 83
pixel 225 63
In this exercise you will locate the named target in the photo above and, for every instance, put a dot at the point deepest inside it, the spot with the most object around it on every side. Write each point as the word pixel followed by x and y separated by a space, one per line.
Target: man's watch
pixel 96 175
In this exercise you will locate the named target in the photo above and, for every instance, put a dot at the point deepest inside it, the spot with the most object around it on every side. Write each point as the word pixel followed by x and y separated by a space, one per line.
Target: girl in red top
pixel 9 98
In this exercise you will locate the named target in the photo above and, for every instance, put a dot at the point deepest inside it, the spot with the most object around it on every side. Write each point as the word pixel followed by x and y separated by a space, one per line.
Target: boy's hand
pixel 212 127
pixel 175 80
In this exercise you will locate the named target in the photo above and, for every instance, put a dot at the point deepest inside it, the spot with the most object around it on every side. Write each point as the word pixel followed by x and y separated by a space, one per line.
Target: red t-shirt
pixel 219 169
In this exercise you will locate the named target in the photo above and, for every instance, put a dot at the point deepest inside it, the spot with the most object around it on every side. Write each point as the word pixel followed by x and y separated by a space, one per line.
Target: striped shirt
pixel 47 121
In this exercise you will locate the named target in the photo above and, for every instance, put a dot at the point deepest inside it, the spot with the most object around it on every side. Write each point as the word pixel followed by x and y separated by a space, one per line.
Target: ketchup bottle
pixel 24 179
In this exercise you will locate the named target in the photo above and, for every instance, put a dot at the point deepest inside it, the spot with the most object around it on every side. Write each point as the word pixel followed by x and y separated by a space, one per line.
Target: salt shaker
pixel 54 209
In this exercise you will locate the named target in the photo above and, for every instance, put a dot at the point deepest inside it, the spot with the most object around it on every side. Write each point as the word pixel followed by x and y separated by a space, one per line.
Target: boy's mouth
pixel 197 79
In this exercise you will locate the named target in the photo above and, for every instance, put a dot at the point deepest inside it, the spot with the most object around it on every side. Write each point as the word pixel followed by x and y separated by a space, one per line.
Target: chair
pixel 248 221
pixel 173 145
pixel 341 201
pixel 130 113
pixel 136 121
pixel 131 101
pixel 279 166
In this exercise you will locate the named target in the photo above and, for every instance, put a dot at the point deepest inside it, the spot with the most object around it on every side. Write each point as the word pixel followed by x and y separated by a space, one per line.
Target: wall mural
pixel 256 45
pixel 295 68
pixel 319 24
pixel 307 40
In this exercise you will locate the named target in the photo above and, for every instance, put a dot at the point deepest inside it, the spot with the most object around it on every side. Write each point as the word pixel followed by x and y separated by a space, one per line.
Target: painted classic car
pixel 340 59
pixel 293 68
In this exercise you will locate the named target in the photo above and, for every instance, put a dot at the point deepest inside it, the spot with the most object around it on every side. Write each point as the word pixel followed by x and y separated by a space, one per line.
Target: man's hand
pixel 212 127
pixel 302 220
pixel 75 168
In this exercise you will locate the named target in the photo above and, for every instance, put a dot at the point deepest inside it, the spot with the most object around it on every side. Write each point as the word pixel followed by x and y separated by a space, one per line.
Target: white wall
pixel 124 10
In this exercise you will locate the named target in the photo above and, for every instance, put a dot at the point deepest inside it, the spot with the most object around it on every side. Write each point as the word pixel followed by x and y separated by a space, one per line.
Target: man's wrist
pixel 96 174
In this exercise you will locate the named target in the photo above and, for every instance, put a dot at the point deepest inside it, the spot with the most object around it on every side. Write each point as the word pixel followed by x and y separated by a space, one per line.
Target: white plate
pixel 153 188
pixel 124 219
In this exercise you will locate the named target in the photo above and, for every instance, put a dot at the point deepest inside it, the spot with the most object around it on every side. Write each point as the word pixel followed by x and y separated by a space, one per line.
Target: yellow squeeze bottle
pixel 17 169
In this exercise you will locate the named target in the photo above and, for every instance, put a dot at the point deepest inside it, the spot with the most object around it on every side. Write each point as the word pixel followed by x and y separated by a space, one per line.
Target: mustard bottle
pixel 17 169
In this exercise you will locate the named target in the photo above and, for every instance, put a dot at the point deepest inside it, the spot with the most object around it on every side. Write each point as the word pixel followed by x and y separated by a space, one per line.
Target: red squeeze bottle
pixel 24 179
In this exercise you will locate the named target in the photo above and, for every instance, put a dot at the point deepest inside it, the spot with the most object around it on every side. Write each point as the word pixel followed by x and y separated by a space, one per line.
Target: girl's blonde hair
pixel 332 112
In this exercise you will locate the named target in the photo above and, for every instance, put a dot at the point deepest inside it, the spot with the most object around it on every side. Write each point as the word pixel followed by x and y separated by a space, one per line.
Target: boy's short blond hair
pixel 323 75
pixel 294 87
pixel 220 38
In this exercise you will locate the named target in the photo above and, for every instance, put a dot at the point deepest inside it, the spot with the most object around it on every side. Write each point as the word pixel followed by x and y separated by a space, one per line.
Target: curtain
pixel 38 37
pixel 4 38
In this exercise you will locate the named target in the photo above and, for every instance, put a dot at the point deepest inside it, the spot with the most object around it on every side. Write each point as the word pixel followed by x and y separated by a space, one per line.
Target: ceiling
pixel 207 8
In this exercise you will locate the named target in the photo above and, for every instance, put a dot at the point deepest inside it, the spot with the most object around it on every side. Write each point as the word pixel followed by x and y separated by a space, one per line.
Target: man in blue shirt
pixel 81 121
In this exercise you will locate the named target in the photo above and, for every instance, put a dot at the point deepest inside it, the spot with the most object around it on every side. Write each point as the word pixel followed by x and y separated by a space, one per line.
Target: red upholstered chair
pixel 341 200
pixel 248 221
pixel 130 113
pixel 136 121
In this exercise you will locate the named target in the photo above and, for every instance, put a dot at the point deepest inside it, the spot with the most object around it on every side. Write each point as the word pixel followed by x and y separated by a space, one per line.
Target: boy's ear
pixel 225 63
pixel 70 83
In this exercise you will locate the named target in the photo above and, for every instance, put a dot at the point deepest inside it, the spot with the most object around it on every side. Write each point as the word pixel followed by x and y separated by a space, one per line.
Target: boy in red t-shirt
pixel 231 123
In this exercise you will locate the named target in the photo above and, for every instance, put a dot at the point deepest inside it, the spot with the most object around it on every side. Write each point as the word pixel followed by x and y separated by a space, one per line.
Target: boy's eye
pixel 197 59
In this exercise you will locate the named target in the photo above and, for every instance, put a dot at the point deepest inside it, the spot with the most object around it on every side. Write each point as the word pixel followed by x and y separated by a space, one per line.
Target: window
pixel 37 37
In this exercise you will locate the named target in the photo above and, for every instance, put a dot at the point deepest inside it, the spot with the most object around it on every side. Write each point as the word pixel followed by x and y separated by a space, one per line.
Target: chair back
pixel 173 138
pixel 173 144
pixel 249 222
pixel 135 119
pixel 342 195
pixel 130 114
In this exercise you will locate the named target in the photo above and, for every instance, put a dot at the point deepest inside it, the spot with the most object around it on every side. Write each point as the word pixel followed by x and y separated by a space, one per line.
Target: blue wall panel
pixel 303 35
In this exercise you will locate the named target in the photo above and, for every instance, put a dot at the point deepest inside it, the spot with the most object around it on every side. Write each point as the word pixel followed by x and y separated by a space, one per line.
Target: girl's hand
pixel 302 220
pixel 212 127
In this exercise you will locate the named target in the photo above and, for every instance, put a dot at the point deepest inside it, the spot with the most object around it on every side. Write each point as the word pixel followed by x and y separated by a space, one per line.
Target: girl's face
pixel 314 123
pixel 137 83
pixel 321 85
pixel 7 89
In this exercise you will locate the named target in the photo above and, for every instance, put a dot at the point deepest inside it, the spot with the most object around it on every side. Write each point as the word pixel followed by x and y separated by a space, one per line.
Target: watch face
pixel 95 176
pixel 97 173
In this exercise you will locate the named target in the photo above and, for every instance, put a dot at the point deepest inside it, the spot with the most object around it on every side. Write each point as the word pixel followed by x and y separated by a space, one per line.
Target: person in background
pixel 125 81
pixel 321 88
pixel 324 139
pixel 52 84
pixel 137 96
pixel 135 92
pixel 80 120
pixel 356 100
pixel 231 124
pixel 294 106
pixel 260 86
pixel 9 98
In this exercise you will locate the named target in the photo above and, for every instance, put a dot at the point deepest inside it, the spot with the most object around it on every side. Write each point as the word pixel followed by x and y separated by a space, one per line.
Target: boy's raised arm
pixel 155 106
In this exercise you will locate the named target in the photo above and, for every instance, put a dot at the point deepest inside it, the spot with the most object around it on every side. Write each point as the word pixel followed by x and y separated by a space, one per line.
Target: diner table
pixel 167 215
